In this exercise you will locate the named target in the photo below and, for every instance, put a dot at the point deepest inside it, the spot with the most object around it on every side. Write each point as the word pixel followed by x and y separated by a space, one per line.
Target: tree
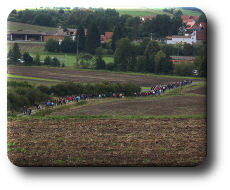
pixel 159 61
pixel 93 38
pixel 67 45
pixel 83 58
pixel 176 23
pixel 16 52
pixel 125 55
pixel 99 62
pixel 143 45
pixel 167 67
pixel 37 59
pixel 184 69
pixel 202 18
pixel 141 64
pixel 118 33
pixel 55 62
pixel 47 60
pixel 10 56
pixel 152 47
pixel 151 63
pixel 80 36
pixel 177 13
pixel 51 45
pixel 27 58
pixel 159 55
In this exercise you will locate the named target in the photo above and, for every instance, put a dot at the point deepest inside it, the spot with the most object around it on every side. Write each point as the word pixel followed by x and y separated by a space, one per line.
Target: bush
pixel 15 101
pixel 15 84
pixel 18 97
pixel 184 69
pixel 44 88
pixel 72 88
pixel 51 45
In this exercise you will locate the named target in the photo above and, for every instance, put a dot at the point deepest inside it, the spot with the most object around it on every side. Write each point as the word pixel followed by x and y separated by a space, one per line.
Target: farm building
pixel 34 36
pixel 178 59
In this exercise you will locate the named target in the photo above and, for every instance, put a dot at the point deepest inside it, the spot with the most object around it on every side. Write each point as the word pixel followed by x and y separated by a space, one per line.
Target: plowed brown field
pixel 172 105
pixel 103 142
pixel 89 76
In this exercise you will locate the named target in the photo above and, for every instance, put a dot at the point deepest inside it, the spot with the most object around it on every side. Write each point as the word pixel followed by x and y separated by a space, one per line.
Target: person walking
pixel 24 110
pixel 28 111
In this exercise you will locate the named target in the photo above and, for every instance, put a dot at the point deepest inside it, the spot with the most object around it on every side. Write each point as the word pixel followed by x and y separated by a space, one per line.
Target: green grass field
pixel 69 58
pixel 33 47
pixel 22 26
pixel 152 11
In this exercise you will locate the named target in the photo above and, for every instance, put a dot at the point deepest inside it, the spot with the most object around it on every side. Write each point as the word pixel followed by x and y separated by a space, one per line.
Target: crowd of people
pixel 160 89
pixel 154 90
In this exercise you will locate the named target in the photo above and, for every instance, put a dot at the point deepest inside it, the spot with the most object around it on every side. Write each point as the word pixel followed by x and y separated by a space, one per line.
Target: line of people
pixel 154 90
pixel 160 89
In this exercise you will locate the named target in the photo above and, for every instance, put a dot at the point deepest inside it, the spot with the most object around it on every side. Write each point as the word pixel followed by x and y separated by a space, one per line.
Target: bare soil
pixel 201 91
pixel 173 105
pixel 103 142
pixel 90 76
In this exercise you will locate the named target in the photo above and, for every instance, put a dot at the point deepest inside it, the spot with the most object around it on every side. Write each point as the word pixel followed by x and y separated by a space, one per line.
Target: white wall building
pixel 190 39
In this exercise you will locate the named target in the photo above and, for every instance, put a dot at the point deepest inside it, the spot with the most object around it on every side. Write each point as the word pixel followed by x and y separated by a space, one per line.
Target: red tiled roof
pixel 108 35
pixel 190 25
pixel 187 18
pixel 149 17
pixel 201 35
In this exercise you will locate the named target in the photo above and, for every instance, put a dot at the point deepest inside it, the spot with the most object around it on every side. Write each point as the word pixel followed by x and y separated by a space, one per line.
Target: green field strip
pixel 33 78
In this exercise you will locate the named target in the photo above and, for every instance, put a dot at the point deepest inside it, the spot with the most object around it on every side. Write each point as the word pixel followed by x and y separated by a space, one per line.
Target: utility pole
pixel 77 44
pixel 178 51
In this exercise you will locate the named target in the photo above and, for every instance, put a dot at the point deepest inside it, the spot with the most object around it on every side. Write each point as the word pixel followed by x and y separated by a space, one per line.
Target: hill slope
pixel 22 26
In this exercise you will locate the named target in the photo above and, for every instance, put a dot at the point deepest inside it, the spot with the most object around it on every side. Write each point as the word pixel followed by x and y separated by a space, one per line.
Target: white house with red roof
pixel 190 39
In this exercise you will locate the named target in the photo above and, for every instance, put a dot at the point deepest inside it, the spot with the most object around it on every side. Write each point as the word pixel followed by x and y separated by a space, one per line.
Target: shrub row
pixel 76 88
pixel 21 94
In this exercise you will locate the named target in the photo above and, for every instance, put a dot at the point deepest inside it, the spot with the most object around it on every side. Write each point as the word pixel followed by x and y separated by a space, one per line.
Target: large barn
pixel 21 35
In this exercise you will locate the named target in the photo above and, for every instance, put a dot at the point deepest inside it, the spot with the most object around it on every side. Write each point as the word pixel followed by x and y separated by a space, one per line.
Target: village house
pixel 106 37
pixel 144 18
pixel 190 39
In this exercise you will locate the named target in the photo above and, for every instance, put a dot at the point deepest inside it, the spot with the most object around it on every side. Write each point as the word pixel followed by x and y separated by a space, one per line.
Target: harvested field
pixel 201 91
pixel 173 105
pixel 103 142
pixel 84 76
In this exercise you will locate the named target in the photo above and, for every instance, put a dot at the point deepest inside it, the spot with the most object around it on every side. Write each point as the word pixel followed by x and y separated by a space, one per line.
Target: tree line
pixel 104 19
